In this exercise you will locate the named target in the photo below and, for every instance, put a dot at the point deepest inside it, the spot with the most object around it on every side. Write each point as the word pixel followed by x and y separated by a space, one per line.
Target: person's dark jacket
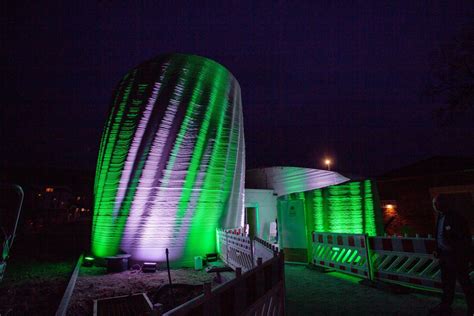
pixel 457 236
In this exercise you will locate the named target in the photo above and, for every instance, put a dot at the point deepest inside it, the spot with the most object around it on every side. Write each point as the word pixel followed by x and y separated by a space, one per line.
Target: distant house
pixel 406 193
pixel 51 194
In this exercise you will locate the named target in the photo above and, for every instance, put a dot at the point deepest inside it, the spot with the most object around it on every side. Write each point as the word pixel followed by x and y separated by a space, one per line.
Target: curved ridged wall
pixel 171 161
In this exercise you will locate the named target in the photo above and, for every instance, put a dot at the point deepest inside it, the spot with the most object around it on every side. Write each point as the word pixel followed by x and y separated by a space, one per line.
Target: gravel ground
pixel 311 292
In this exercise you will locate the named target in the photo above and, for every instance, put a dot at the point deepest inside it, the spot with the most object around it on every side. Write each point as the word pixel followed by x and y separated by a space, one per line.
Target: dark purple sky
pixel 322 79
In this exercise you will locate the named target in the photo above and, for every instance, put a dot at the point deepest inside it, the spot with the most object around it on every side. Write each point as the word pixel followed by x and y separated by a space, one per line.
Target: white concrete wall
pixel 266 203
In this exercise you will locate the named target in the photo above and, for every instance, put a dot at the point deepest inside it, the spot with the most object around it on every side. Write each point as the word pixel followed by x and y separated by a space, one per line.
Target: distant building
pixel 52 195
pixel 306 200
pixel 406 193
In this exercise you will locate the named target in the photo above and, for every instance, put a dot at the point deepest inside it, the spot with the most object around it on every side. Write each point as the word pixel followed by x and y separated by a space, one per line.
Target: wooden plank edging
pixel 62 309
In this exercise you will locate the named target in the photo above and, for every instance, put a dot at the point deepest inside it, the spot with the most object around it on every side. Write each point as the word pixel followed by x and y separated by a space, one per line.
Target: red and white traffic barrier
pixel 409 245
pixel 235 231
pixel 393 259
pixel 344 252
pixel 236 249
pixel 405 260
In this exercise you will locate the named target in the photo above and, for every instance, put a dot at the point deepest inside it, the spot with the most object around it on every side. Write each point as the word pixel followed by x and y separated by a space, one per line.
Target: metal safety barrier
pixel 240 251
pixel 236 249
pixel 344 252
pixel 263 249
pixel 403 260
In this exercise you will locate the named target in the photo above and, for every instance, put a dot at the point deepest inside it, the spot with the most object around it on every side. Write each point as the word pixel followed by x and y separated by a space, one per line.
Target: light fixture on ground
pixel 149 267
pixel 88 261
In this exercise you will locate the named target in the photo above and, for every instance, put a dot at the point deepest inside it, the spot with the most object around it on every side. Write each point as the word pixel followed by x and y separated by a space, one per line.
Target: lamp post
pixel 328 163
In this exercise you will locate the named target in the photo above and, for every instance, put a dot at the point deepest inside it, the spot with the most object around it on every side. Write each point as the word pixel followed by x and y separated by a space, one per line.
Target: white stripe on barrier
pixel 406 260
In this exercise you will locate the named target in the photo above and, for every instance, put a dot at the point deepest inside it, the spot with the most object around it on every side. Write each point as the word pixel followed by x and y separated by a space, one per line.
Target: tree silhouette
pixel 452 76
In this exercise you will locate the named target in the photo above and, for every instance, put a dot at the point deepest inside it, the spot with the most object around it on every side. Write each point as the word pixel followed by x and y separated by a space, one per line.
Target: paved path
pixel 310 292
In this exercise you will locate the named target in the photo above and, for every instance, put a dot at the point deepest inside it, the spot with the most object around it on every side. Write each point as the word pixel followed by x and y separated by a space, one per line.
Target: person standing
pixel 453 249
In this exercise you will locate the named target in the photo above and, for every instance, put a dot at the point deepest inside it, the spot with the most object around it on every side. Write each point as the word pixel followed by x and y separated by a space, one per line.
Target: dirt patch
pixel 94 283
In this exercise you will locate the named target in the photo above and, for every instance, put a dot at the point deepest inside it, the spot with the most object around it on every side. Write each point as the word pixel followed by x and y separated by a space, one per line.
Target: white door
pixel 292 232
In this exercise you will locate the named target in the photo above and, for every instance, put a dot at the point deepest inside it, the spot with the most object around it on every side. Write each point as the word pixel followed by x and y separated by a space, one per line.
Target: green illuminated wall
pixel 351 207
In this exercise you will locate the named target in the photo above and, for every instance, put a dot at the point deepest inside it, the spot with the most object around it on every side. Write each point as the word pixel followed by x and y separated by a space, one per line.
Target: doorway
pixel 292 222
pixel 251 219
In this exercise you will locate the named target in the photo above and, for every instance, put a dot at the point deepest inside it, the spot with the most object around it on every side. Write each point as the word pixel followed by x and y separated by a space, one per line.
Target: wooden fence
pixel 260 290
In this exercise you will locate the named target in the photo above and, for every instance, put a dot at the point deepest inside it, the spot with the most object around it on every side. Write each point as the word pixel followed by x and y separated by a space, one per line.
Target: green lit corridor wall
pixel 346 208
pixel 351 207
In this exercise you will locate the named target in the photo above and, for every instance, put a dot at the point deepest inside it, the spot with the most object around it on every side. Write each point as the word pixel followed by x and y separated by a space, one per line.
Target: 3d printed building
pixel 171 162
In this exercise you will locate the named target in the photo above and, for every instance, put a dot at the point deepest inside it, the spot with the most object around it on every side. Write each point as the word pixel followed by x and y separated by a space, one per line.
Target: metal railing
pixel 236 249
pixel 9 234
pixel 240 251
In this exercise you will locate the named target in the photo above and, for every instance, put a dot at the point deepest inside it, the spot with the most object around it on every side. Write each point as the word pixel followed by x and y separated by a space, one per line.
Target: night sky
pixel 342 80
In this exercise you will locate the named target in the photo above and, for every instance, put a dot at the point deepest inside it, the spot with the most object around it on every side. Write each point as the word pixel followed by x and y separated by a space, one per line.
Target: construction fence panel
pixel 236 249
pixel 344 252
pixel 263 249
pixel 405 260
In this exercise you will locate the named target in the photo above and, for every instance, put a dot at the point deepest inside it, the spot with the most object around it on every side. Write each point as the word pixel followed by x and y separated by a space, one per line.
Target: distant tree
pixel 452 77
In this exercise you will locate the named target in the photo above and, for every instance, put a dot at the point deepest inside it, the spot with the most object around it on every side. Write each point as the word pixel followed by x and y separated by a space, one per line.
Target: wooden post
pixel 239 298
pixel 275 269
pixel 252 249
pixel 281 264
pixel 208 305
pixel 260 278
pixel 207 289
pixel 157 309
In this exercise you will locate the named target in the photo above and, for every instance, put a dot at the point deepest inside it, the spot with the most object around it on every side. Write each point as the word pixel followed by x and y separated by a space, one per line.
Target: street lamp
pixel 328 163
